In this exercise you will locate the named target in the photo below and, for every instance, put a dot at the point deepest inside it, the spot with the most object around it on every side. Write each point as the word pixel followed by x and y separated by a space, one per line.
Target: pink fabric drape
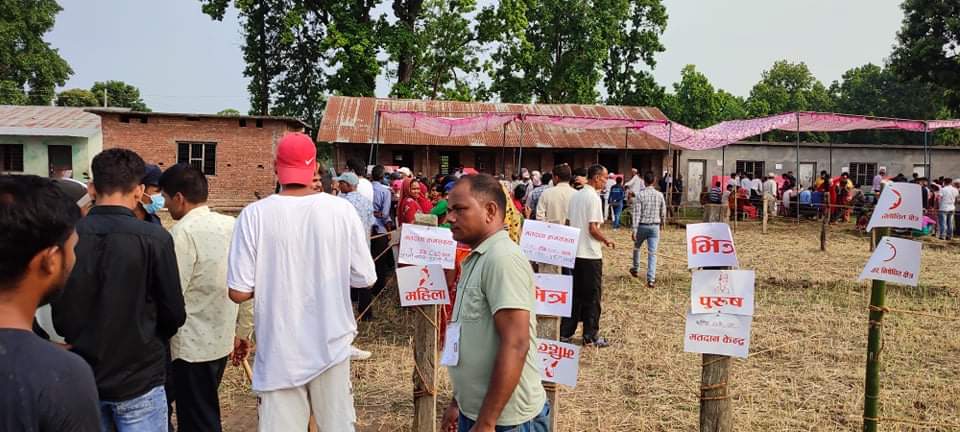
pixel 579 122
pixel 448 126
pixel 942 124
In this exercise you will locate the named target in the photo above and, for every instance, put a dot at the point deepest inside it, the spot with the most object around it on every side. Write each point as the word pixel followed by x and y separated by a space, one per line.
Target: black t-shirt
pixel 44 387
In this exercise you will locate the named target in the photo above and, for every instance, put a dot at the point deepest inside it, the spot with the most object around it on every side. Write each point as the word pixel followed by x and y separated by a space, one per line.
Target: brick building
pixel 236 152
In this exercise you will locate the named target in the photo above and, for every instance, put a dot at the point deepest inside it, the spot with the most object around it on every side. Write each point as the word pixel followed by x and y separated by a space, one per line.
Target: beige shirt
pixel 554 202
pixel 202 240
pixel 586 208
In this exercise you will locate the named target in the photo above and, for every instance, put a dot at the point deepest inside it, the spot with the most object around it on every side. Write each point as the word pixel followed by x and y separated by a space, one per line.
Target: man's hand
pixel 478 428
pixel 633 235
pixel 241 349
pixel 610 244
pixel 450 417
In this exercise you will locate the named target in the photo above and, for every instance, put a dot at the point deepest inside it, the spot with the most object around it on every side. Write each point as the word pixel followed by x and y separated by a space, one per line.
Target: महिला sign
pixel 710 245
pixel 724 291
pixel 717 333
pixel 550 243
pixel 554 294
pixel 894 260
pixel 422 285
pixel 560 361
pixel 899 206
pixel 422 245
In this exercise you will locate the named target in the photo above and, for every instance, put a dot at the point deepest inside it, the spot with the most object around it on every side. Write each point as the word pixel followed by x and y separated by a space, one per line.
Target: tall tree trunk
pixel 407 11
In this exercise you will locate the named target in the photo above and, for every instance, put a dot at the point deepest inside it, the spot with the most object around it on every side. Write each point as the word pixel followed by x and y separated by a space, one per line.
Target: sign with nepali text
pixel 720 334
pixel 723 291
pixel 710 245
pixel 894 260
pixel 422 245
pixel 899 206
pixel 560 361
pixel 422 285
pixel 554 294
pixel 550 243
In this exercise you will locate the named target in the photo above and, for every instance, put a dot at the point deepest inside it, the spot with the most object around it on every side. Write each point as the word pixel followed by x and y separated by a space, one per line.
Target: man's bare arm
pixel 513 327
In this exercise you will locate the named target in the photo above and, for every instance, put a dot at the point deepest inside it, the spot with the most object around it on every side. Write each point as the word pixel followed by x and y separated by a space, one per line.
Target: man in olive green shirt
pixel 496 375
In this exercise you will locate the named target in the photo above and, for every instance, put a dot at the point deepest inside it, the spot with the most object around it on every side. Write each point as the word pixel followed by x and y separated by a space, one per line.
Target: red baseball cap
pixel 296 159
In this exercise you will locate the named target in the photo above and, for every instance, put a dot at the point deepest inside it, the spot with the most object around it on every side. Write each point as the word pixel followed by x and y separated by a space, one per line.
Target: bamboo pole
pixel 765 210
pixel 826 221
pixel 871 395
pixel 425 342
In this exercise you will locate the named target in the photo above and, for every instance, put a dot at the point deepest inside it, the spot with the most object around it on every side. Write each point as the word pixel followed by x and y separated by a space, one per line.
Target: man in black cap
pixel 152 200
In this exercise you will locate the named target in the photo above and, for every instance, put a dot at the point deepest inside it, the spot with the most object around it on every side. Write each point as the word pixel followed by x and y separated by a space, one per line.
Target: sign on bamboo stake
pixel 554 294
pixel 899 206
pixel 894 260
pixel 422 245
pixel 710 245
pixel 422 285
pixel 723 291
pixel 549 243
pixel 718 334
pixel 561 362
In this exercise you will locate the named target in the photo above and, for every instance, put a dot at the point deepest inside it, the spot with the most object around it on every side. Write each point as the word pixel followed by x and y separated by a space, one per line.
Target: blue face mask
pixel 155 205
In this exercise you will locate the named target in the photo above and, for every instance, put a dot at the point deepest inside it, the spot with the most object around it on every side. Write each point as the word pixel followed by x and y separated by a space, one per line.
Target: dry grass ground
pixel 808 304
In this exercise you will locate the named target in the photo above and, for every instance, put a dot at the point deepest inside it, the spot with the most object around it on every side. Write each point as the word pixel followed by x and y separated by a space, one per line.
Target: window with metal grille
pixel 11 157
pixel 862 173
pixel 751 167
pixel 202 155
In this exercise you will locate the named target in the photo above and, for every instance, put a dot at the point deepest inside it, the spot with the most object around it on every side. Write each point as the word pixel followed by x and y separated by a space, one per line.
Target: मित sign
pixel 422 245
pixel 560 361
pixel 422 285
pixel 550 243
pixel 899 206
pixel 894 260
pixel 724 291
pixel 554 294
pixel 710 245
pixel 720 334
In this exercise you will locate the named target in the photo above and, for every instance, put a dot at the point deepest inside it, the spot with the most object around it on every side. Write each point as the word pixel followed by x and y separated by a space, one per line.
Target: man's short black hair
pixel 485 188
pixel 648 178
pixel 546 178
pixel 187 180
pixel 117 170
pixel 595 170
pixel 357 166
pixel 562 172
pixel 34 215
pixel 580 172
pixel 377 173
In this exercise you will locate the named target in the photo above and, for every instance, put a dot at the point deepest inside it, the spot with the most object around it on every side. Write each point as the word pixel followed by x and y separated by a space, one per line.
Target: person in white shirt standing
pixel 948 207
pixel 364 188
pixel 296 254
pixel 586 213
pixel 770 192
pixel 611 180
pixel 199 350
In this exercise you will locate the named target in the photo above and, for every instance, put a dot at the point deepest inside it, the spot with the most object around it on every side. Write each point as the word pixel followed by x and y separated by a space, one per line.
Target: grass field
pixel 809 308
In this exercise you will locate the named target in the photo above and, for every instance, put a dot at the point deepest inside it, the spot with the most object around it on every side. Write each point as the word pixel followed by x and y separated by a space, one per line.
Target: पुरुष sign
pixel 554 293
pixel 560 362
pixel 550 243
pixel 899 206
pixel 422 245
pixel 422 285
pixel 710 245
pixel 722 291
pixel 719 334
pixel 894 260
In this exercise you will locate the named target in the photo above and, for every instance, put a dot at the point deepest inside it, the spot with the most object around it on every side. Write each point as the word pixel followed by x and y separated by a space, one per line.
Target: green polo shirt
pixel 496 275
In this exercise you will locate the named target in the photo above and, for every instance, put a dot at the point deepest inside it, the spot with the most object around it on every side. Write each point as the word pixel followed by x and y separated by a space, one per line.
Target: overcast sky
pixel 183 61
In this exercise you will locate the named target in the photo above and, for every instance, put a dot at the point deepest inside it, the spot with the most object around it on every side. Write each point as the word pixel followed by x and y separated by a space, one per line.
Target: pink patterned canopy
pixel 460 126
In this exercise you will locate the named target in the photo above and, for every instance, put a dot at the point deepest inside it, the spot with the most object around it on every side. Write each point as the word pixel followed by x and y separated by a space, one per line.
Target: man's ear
pixel 50 260
pixel 92 190
pixel 492 210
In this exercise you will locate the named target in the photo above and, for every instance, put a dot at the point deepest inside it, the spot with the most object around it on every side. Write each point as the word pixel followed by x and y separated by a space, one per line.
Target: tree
pixel 77 98
pixel 119 94
pixel 637 40
pixel 229 112
pixel 928 48
pixel 730 107
pixel 30 69
pixel 300 87
pixel 352 40
pixel 695 104
pixel 788 87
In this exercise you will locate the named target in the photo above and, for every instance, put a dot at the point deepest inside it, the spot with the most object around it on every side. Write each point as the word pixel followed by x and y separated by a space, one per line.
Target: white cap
pixel 405 171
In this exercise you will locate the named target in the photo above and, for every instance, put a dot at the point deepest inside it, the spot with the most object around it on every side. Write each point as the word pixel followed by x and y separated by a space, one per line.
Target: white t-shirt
pixel 948 198
pixel 300 255
pixel 607 186
pixel 756 184
pixel 635 185
pixel 365 189
pixel 746 183
pixel 585 207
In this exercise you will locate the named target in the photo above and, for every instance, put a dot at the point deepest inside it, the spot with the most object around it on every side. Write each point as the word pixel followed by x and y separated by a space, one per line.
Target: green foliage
pixel 637 39
pixel 928 47
pixel 119 94
pixel 695 100
pixel 229 112
pixel 788 87
pixel 77 98
pixel 29 68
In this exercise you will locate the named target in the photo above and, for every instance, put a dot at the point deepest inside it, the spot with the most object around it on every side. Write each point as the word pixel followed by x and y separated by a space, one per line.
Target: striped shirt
pixel 649 208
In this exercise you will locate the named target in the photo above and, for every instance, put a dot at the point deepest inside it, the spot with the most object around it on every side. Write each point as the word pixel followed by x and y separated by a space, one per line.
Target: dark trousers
pixel 384 265
pixel 196 384
pixel 587 278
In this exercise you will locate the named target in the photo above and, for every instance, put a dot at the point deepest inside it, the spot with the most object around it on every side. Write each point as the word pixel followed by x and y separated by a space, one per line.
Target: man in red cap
pixel 296 254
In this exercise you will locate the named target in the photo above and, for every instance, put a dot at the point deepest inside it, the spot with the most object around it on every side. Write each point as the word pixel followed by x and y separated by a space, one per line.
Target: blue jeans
pixel 651 235
pixel 617 210
pixel 144 413
pixel 945 224
pixel 540 423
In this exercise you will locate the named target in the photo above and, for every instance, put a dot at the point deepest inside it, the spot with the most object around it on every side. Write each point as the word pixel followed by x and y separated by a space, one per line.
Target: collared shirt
pixel 202 241
pixel 635 185
pixel 554 203
pixel 533 199
pixel 495 276
pixel 746 183
pixel 365 188
pixel 877 182
pixel 770 187
pixel 650 208
pixel 586 208
pixel 122 302
pixel 381 204
pixel 948 198
pixel 364 208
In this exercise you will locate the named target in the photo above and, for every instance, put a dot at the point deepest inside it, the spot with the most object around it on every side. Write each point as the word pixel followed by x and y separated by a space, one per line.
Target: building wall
pixel 36 159
pixel 244 155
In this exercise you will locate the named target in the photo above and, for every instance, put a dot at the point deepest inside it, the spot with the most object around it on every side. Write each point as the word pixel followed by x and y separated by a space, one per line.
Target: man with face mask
pixel 44 388
pixel 123 300
pixel 152 200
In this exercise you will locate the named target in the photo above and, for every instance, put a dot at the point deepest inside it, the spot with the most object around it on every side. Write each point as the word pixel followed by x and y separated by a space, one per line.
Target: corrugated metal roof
pixel 47 121
pixel 352 120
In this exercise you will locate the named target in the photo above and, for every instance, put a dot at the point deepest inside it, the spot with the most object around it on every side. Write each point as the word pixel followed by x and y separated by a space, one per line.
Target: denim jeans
pixel 651 235
pixel 540 423
pixel 144 413
pixel 945 224
pixel 617 210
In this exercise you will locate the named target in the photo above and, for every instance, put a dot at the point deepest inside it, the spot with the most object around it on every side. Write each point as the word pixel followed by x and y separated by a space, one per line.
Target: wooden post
pixel 765 209
pixel 826 222
pixel 715 413
pixel 548 327
pixel 871 394
pixel 425 355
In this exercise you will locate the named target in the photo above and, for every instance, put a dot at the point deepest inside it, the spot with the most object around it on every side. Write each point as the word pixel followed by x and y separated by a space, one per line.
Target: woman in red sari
pixel 410 202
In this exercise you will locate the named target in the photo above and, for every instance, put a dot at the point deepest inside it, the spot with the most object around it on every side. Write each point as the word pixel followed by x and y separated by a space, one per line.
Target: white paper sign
pixel 845 170
pixel 710 245
pixel 894 260
pixel 422 245
pixel 724 291
pixel 899 206
pixel 560 361
pixel 451 345
pixel 778 166
pixel 550 243
pixel 422 285
pixel 554 294
pixel 719 162
pixel 718 334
